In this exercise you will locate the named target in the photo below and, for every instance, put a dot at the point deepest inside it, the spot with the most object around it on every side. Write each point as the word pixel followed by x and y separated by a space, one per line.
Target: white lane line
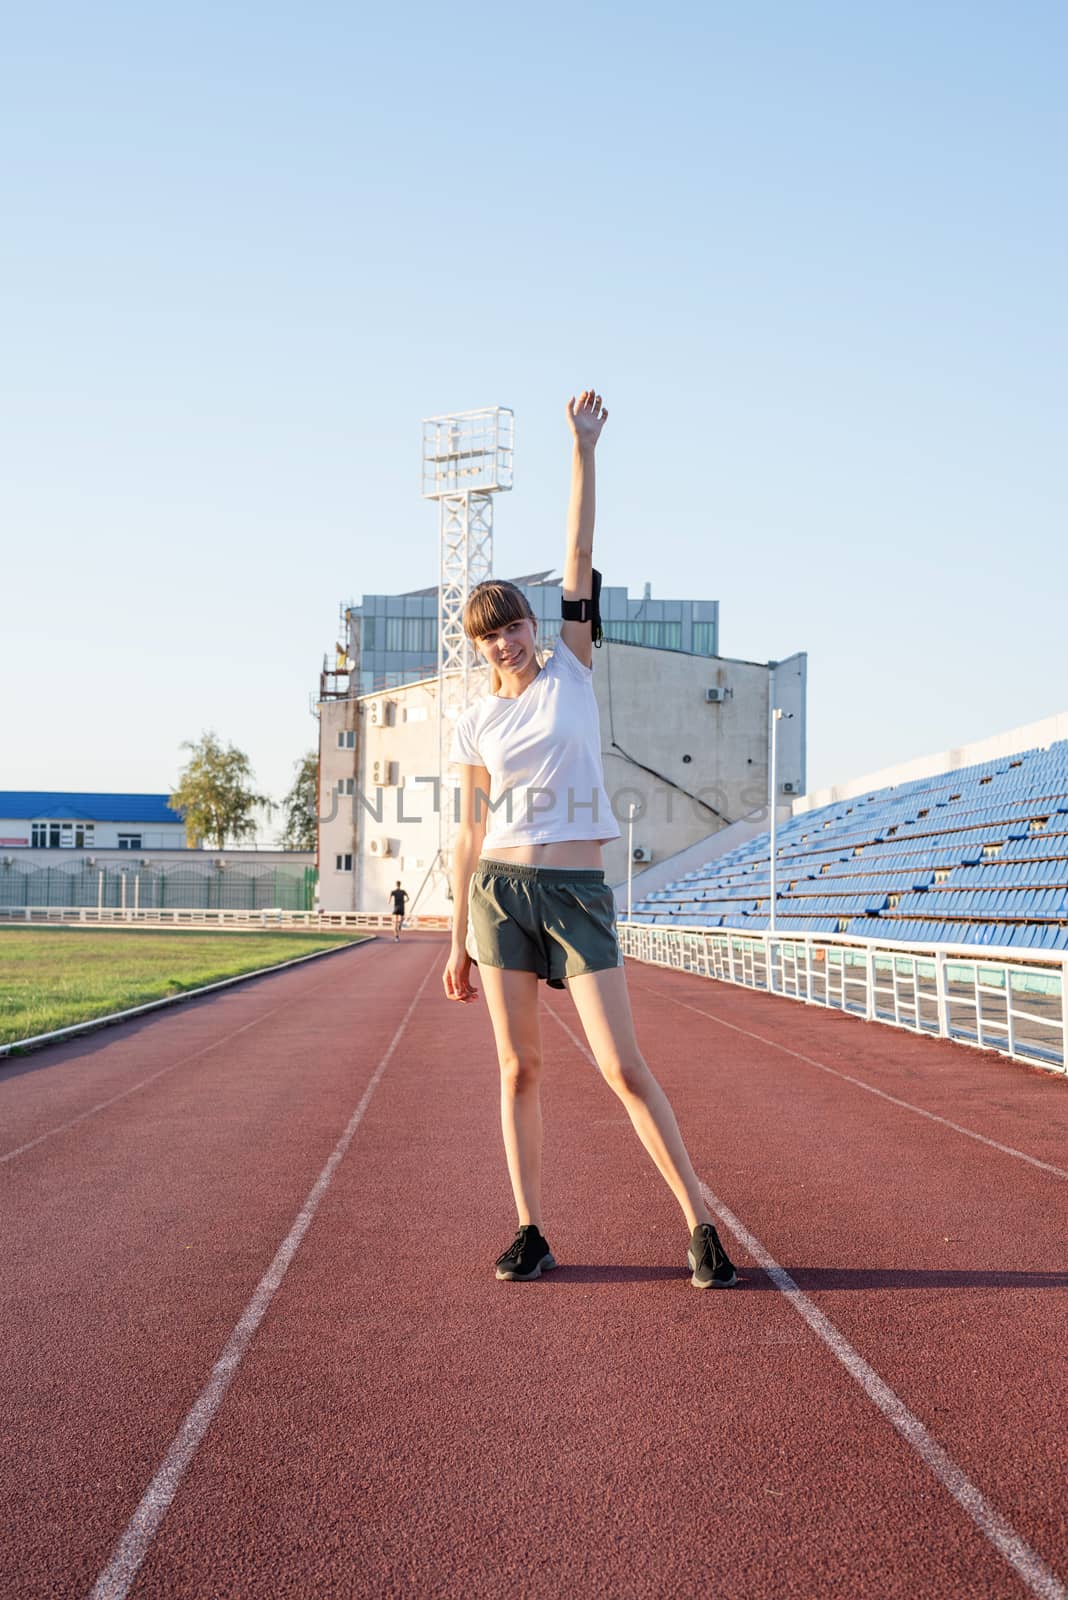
pixel 117 1578
pixel 1014 1549
pixel 1040 1579
pixel 906 1105
pixel 102 1105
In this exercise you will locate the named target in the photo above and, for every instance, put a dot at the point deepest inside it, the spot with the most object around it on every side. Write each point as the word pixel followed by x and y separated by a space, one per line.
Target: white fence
pixel 994 999
pixel 231 921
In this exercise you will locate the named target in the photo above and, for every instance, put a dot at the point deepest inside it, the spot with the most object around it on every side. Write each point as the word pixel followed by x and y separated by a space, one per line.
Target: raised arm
pixel 586 417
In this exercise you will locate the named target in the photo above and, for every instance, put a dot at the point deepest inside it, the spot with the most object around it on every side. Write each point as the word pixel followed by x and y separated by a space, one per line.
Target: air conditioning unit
pixel 380 713
pixel 715 697
pixel 640 853
pixel 791 788
pixel 381 846
pixel 384 774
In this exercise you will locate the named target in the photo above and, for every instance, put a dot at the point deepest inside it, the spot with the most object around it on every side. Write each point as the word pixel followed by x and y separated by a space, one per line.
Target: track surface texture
pixel 392 1421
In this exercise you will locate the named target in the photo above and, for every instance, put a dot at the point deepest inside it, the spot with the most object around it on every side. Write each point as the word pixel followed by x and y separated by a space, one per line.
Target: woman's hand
pixel 586 417
pixel 457 977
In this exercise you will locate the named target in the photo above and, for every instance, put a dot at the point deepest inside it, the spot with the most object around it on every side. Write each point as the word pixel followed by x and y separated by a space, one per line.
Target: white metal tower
pixel 467 459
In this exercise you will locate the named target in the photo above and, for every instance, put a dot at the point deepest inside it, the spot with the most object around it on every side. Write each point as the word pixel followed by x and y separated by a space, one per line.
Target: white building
pixel 41 819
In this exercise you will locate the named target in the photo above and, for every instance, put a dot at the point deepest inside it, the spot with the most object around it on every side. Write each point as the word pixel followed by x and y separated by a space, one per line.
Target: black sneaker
pixel 527 1257
pixel 709 1262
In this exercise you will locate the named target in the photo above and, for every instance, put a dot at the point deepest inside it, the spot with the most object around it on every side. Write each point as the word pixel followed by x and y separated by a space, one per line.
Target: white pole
pixel 122 892
pixel 630 859
pixel 137 891
pixel 772 799
pixel 100 892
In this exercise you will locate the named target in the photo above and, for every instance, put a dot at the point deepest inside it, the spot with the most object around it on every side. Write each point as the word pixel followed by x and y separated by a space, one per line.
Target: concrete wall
pixel 653 717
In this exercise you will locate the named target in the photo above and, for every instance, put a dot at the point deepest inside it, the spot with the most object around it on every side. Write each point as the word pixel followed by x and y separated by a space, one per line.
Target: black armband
pixel 586 610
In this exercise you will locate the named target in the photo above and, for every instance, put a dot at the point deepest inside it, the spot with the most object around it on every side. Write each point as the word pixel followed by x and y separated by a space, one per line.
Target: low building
pixel 129 852
pixel 41 819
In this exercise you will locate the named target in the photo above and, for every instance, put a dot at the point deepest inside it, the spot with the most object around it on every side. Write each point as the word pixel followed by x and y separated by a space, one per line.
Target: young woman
pixel 528 882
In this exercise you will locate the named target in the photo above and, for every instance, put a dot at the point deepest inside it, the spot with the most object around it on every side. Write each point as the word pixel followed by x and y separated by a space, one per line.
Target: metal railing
pixel 192 917
pixel 993 999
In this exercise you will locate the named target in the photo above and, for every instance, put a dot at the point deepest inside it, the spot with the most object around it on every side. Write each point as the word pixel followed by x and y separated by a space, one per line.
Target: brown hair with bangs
pixel 491 605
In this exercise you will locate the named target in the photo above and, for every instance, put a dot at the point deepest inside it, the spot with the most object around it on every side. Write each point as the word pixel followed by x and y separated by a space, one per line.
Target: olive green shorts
pixel 558 922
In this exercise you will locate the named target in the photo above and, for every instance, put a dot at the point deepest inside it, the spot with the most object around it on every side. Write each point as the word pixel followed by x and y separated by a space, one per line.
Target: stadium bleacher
pixel 974 856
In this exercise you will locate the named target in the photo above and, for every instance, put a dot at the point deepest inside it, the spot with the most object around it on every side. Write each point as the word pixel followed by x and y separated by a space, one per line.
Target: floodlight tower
pixel 467 459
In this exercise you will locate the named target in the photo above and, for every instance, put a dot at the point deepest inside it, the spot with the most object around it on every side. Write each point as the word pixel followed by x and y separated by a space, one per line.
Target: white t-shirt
pixel 543 754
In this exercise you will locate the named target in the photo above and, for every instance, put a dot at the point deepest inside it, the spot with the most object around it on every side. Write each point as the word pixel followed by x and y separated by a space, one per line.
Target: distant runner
pixel 529 887
pixel 400 900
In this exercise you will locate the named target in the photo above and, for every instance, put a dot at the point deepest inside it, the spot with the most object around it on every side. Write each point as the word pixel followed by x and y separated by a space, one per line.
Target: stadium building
pixel 684 743
pixel 969 847
pixel 932 896
pixel 392 639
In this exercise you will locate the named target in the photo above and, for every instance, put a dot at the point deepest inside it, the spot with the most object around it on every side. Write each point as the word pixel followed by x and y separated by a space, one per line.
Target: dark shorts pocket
pixel 580 924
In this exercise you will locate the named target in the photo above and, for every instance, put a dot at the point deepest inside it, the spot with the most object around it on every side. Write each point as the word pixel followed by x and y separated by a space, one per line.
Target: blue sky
pixel 813 256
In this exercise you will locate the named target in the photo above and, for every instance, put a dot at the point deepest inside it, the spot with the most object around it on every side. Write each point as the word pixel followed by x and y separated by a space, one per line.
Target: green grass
pixel 51 978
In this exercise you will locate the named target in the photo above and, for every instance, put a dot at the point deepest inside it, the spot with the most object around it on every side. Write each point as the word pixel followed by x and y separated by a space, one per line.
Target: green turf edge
pixel 22 1047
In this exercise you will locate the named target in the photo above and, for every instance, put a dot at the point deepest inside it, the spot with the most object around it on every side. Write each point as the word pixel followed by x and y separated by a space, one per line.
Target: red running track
pixel 397 1423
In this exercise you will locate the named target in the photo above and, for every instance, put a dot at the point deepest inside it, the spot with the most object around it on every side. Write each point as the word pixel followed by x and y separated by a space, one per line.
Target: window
pixel 346 738
pixel 345 786
pixel 129 841
pixel 343 863
pixel 659 635
pixel 416 634
pixel 61 835
pixel 704 638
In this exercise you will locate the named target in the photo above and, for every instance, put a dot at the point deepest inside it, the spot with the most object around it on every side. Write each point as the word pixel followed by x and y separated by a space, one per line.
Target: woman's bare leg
pixel 603 1005
pixel 512 998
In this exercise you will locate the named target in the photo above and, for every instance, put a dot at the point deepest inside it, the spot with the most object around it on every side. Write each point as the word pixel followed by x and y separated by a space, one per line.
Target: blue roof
pixel 54 805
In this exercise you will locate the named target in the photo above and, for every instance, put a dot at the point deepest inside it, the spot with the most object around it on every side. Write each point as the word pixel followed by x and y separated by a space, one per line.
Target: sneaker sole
pixel 546 1264
pixel 713 1283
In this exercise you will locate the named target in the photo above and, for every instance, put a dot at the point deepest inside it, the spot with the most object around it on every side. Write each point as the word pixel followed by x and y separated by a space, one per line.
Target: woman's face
pixel 511 647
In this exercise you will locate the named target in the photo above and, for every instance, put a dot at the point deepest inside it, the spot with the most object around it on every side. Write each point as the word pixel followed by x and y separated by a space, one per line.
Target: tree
pixel 214 794
pixel 301 806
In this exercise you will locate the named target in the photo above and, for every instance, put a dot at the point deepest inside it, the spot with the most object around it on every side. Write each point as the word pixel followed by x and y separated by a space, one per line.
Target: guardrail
pixel 996 999
pixel 232 921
